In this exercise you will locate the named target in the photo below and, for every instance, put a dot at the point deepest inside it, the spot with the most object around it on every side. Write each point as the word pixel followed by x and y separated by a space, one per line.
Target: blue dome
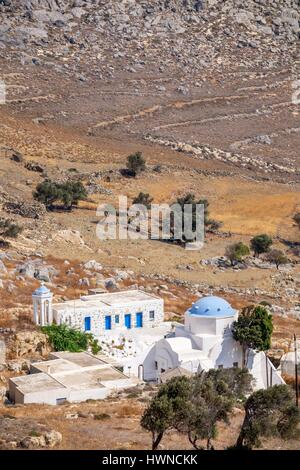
pixel 41 290
pixel 213 307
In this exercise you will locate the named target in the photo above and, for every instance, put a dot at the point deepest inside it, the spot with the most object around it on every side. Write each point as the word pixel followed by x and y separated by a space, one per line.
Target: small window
pixel 60 401
pixel 151 315
pixel 220 366
pixel 235 364
pixel 117 319
pixel 155 365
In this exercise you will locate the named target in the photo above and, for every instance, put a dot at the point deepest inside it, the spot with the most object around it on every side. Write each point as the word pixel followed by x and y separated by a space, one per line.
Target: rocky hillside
pixel 130 19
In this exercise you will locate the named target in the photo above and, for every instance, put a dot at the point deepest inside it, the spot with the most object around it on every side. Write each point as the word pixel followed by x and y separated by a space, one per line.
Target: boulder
pixel 33 442
pixel 53 438
pixel 26 343
pixel 93 265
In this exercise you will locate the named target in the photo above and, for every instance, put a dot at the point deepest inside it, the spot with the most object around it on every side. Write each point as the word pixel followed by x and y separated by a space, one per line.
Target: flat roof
pixel 39 382
pixel 109 299
pixel 81 359
pixel 55 366
pixel 89 379
pixel 76 371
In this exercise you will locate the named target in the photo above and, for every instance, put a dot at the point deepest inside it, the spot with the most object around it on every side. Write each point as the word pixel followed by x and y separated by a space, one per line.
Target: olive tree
pixel 261 244
pixel 269 413
pixel 277 257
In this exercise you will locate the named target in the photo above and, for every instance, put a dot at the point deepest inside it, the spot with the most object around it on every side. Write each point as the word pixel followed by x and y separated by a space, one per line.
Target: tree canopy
pixel 269 413
pixel 261 244
pixel 253 329
pixel 68 193
pixel 277 257
pixel 195 405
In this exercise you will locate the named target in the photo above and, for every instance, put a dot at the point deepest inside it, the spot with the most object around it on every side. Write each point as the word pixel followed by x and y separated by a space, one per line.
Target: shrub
pixel 9 229
pixel 136 163
pixel 102 416
pixel 64 338
pixel 236 252
pixel 4 244
pixel 143 198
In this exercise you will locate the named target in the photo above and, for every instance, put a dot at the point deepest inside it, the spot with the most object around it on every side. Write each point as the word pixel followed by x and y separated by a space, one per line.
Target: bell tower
pixel 42 306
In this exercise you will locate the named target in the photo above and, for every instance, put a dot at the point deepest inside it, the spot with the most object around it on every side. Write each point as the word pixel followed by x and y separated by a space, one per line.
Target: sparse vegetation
pixel 136 163
pixel 236 252
pixel 261 244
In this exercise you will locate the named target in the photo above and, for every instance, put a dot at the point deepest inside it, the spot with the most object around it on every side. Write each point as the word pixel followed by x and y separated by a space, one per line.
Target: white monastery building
pixel 100 313
pixel 131 329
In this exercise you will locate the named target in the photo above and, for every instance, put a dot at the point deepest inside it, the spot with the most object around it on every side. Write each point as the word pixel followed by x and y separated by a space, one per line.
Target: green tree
pixel 136 163
pixel 277 257
pixel 261 244
pixel 177 217
pixel 157 419
pixel 72 193
pixel 68 193
pixel 269 413
pixel 190 199
pixel 143 198
pixel 253 329
pixel 212 397
pixel 47 193
pixel 194 406
pixel 167 409
pixel 236 252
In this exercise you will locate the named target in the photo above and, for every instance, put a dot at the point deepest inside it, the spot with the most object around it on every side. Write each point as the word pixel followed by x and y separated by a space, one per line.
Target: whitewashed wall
pixel 75 317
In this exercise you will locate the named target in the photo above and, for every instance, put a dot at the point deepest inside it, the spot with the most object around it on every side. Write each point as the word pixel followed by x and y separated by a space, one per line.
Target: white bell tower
pixel 42 306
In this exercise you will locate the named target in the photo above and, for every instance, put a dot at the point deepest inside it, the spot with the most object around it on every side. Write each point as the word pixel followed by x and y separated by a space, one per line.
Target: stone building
pixel 102 313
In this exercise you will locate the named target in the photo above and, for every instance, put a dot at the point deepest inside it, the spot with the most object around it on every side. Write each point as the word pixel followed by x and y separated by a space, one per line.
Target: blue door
pixel 87 324
pixel 128 321
pixel 108 322
pixel 139 320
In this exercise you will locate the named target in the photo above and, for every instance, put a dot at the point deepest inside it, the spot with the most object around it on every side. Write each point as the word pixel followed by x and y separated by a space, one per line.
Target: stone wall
pixel 2 352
